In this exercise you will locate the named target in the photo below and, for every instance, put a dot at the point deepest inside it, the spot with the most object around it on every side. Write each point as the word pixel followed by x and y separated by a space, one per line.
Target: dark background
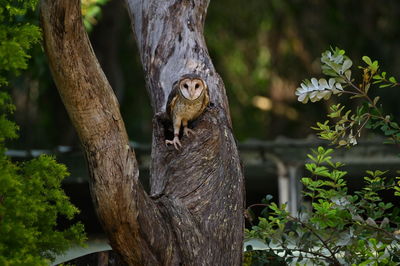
pixel 262 49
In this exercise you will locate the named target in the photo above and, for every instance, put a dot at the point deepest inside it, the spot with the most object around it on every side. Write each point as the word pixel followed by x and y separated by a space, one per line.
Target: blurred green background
pixel 262 49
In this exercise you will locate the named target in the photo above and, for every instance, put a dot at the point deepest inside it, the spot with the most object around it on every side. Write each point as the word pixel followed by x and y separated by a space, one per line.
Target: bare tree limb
pixel 129 216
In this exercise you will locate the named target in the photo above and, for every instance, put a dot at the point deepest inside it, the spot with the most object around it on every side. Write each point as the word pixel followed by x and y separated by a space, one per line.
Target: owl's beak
pixel 191 92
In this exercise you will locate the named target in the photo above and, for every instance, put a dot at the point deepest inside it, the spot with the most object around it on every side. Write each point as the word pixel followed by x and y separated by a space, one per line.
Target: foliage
pixel 339 227
pixel 31 198
pixel 261 258
pixel 16 37
pixel 91 12
pixel 348 124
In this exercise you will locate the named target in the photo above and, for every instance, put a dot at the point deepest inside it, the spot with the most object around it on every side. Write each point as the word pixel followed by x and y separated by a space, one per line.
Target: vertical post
pixel 289 186
pixel 294 189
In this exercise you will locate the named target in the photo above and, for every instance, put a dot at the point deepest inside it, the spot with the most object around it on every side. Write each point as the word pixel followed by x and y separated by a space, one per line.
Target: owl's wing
pixel 172 100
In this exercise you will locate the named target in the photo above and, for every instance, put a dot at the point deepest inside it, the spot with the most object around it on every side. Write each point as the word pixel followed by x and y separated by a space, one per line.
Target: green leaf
pixel 347 73
pixel 376 99
pixel 384 85
pixel 367 60
pixel 346 65
pixel 269 197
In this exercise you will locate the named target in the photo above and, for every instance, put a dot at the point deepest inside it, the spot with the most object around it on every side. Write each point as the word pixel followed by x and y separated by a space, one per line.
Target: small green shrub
pixel 342 227
pixel 338 227
pixel 31 200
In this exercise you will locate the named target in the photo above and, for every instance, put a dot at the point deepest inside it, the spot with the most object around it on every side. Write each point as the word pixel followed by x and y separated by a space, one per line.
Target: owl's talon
pixel 187 130
pixel 177 144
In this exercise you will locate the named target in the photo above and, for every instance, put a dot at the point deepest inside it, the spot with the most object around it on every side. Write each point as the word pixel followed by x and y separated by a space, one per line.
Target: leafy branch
pixel 348 125
pixel 337 222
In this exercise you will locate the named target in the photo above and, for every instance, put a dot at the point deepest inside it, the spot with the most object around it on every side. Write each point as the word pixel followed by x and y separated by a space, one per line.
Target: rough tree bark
pixel 194 213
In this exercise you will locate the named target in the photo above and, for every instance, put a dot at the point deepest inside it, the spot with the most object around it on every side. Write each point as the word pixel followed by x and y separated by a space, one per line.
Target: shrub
pixel 338 227
pixel 31 200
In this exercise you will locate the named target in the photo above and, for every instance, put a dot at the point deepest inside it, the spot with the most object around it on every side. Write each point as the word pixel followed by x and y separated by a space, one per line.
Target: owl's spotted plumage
pixel 187 101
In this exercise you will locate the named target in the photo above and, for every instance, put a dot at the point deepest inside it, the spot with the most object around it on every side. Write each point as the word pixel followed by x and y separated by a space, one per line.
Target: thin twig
pixel 309 252
pixel 258 204
pixel 318 236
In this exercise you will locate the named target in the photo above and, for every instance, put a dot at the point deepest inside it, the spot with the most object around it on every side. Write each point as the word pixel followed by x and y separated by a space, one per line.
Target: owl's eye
pixel 185 86
pixel 197 85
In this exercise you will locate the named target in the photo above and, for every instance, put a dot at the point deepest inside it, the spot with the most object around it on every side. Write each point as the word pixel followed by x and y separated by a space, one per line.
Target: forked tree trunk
pixel 194 215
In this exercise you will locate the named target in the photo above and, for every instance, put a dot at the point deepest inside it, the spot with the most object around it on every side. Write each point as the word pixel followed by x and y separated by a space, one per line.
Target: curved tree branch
pixel 129 217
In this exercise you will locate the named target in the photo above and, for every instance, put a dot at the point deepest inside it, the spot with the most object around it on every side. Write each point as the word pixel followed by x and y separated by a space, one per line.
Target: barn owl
pixel 187 101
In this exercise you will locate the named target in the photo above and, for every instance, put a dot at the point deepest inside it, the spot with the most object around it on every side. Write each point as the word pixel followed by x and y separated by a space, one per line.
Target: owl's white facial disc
pixel 191 88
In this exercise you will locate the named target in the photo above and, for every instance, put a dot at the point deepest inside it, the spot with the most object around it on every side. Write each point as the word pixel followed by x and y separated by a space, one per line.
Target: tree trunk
pixel 194 215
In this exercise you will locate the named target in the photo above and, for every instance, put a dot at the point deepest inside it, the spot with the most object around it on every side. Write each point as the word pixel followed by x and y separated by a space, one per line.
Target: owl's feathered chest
pixel 188 109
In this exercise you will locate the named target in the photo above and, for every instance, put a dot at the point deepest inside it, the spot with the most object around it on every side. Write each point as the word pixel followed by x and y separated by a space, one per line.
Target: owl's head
pixel 191 87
